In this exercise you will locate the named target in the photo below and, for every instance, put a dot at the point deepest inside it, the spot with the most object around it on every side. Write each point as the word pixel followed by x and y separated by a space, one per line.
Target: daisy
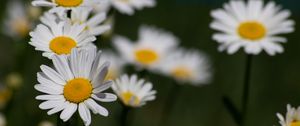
pixel 149 50
pixel 59 37
pixel 187 66
pixel 116 64
pixel 251 26
pixel 128 6
pixel 61 6
pixel 17 24
pixel 94 24
pixel 292 117
pixel 132 91
pixel 74 84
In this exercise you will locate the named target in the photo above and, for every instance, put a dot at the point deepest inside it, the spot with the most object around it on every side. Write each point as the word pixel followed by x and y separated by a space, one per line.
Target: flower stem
pixel 169 104
pixel 124 116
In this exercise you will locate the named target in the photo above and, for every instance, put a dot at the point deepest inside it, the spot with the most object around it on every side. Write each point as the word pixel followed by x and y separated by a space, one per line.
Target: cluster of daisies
pixel 81 74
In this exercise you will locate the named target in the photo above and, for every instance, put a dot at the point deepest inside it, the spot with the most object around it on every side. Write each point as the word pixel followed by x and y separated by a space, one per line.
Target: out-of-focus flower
pixel 187 66
pixel 153 45
pixel 5 96
pixel 14 80
pixel 61 37
pixel 2 120
pixel 75 83
pixel 128 6
pixel 46 123
pixel 34 12
pixel 292 117
pixel 17 23
pixel 132 91
pixel 251 26
pixel 116 64
pixel 93 24
pixel 111 22
pixel 60 6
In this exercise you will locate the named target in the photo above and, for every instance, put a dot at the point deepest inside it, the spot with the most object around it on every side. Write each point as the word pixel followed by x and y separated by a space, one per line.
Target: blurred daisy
pixel 17 24
pixel 187 66
pixel 116 64
pixel 292 117
pixel 128 6
pixel 133 92
pixel 75 83
pixel 59 37
pixel 251 26
pixel 94 24
pixel 46 123
pixel 2 120
pixel 153 45
pixel 60 6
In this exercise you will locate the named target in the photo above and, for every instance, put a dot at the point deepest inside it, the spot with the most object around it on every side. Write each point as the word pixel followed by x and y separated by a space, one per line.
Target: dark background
pixel 275 81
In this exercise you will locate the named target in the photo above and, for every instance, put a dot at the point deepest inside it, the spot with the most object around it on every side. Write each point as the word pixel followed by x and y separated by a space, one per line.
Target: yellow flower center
pixel 146 56
pixel 69 3
pixel 295 123
pixel 78 90
pixel 129 98
pixel 182 72
pixel 252 30
pixel 62 45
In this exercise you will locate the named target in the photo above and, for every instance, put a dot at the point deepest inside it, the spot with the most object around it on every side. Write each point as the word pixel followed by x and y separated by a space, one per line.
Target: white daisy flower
pixel 251 26
pixel 187 66
pixel 17 24
pixel 149 50
pixel 132 91
pixel 74 84
pixel 292 117
pixel 116 64
pixel 60 6
pixel 94 24
pixel 128 6
pixel 59 37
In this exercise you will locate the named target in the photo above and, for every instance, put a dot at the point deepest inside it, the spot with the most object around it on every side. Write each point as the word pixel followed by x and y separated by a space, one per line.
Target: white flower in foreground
pixel 60 37
pixel 251 26
pixel 153 45
pixel 61 6
pixel 292 117
pixel 128 6
pixel 187 66
pixel 17 23
pixel 116 64
pixel 75 83
pixel 132 91
pixel 94 24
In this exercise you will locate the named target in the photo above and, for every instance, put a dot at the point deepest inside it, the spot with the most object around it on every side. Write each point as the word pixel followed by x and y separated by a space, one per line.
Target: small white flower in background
pixel 46 123
pixel 132 91
pixel 251 26
pixel 153 45
pixel 188 66
pixel 59 37
pixel 116 64
pixel 74 84
pixel 128 6
pixel 17 24
pixel 61 6
pixel 94 24
pixel 292 117
pixel 2 120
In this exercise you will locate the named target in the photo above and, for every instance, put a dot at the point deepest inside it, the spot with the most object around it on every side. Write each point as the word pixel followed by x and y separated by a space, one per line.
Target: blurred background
pixel 275 81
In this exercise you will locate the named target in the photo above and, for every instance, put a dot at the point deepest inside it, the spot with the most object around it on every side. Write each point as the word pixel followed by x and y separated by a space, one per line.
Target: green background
pixel 275 81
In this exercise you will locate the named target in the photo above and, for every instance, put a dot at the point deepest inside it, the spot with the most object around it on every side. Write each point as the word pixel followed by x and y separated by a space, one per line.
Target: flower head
pixel 128 6
pixel 252 26
pixel 132 91
pixel 292 117
pixel 187 66
pixel 59 37
pixel 153 45
pixel 74 84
